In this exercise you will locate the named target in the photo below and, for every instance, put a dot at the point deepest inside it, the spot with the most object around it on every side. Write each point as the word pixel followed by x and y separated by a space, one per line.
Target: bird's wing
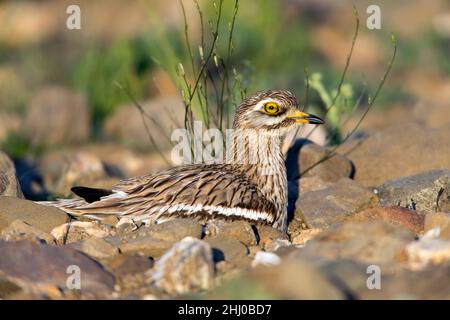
pixel 195 191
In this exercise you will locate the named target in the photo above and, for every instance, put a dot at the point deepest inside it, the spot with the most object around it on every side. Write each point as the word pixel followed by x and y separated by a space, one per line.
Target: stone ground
pixel 349 224
pixel 373 222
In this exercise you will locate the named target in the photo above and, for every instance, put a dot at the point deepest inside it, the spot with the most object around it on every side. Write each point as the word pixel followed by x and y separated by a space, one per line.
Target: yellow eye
pixel 271 108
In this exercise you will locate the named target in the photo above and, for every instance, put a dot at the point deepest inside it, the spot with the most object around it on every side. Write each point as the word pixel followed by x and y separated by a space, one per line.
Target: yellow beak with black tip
pixel 303 117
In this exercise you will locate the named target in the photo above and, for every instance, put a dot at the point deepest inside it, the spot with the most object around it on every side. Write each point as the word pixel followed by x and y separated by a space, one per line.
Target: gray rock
pixel 98 248
pixel 322 208
pixel 56 115
pixel 187 266
pixel 123 265
pixel 303 155
pixel 62 170
pixel 39 216
pixel 31 265
pixel 240 230
pixel 155 239
pixel 7 287
pixel 20 230
pixel 439 220
pixel 428 191
pixel 9 186
pixel 294 279
pixel 76 231
pixel 399 150
pixel 373 242
pixel 268 234
pixel 408 219
pixel 230 250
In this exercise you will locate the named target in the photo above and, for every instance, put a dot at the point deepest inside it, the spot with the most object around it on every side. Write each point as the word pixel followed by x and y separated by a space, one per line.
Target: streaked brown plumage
pixel 250 185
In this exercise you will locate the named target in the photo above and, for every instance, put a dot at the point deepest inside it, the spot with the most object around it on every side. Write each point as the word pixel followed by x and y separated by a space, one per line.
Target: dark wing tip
pixel 90 194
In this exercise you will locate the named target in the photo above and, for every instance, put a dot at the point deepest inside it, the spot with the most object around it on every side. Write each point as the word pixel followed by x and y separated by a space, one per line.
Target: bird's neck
pixel 258 154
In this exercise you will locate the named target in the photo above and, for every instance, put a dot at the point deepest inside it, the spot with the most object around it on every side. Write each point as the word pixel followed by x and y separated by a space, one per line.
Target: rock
pixel 39 266
pixel 294 280
pixel 122 265
pixel 408 219
pixel 304 236
pixel 56 115
pixel 266 259
pixel 9 185
pixel 268 234
pixel 187 266
pixel 98 248
pixel 20 230
pixel 230 250
pixel 429 249
pixel 303 155
pixel 322 208
pixel 39 216
pixel 125 124
pixel 154 240
pixel 352 277
pixel 7 288
pixel 277 244
pixel 240 230
pixel 412 149
pixel 75 231
pixel 312 184
pixel 439 220
pixel 428 191
pixel 61 171
pixel 373 242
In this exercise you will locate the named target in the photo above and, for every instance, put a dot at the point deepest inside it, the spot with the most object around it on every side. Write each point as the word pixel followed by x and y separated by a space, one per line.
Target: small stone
pixel 429 249
pixel 288 280
pixel 230 250
pixel 240 230
pixel 322 208
pixel 186 267
pixel 312 184
pixel 9 185
pixel 398 150
pixel 38 266
pixel 266 259
pixel 439 220
pixel 20 230
pixel 253 250
pixel 98 248
pixel 428 191
pixel 154 240
pixel 374 242
pixel 268 234
pixel 62 170
pixel 122 265
pixel 80 230
pixel 8 288
pixel 42 217
pixel 408 219
pixel 304 236
pixel 277 244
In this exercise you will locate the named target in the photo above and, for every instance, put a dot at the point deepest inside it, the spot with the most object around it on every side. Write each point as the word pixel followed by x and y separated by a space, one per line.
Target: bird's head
pixel 271 110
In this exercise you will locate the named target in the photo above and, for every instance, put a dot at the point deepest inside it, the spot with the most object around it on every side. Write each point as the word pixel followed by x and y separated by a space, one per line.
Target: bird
pixel 250 185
